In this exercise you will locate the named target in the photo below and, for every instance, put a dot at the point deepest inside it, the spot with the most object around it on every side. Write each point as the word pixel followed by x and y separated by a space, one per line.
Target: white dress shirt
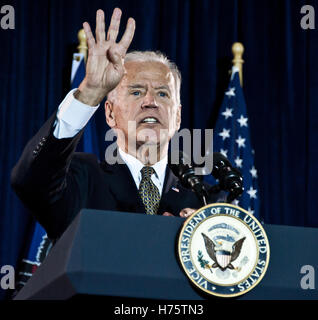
pixel 73 115
pixel 135 166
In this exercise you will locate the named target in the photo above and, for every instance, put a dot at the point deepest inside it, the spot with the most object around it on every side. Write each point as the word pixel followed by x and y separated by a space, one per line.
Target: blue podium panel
pixel 291 248
pixel 128 255
pixel 120 254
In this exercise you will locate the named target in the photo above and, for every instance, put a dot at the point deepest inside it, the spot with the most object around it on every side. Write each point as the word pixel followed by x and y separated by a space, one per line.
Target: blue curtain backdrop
pixel 280 87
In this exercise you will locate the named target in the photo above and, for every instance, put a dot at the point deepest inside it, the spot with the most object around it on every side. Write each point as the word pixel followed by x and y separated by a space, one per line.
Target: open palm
pixel 105 63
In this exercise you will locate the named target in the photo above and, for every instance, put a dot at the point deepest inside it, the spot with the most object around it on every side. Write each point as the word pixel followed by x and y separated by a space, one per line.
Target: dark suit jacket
pixel 55 183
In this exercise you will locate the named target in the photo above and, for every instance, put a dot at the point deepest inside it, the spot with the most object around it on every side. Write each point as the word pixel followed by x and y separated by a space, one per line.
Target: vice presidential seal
pixel 224 250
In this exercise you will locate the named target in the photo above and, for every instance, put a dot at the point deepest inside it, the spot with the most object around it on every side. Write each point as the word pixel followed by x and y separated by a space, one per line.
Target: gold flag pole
pixel 238 50
pixel 82 47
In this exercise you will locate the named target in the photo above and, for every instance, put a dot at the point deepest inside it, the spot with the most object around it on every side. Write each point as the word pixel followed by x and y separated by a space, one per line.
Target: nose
pixel 149 101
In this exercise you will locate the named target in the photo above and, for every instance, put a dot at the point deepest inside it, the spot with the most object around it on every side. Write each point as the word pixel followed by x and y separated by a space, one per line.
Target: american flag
pixel 232 138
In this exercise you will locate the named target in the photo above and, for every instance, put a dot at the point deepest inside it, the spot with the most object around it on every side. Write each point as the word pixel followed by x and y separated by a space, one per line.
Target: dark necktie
pixel 149 193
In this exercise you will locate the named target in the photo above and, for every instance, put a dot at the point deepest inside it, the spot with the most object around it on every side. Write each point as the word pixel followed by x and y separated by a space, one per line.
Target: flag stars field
pixel 240 141
pixel 242 121
pixel 253 172
pixel 232 140
pixel 252 193
pixel 224 152
pixel 230 93
pixel 250 211
pixel 238 162
pixel 225 134
pixel 227 113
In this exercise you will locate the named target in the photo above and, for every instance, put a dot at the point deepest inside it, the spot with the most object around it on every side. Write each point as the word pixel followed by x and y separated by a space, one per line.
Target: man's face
pixel 145 97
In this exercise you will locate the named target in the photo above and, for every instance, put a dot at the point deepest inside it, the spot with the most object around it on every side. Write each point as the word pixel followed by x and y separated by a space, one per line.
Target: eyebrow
pixel 136 86
pixel 163 87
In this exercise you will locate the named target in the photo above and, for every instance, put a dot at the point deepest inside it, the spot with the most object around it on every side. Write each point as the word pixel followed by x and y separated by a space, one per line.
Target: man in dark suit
pixel 142 107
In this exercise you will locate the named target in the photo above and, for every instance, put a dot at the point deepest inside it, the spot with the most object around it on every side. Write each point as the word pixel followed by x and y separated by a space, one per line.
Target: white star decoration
pixel 230 93
pixel 224 152
pixel 241 142
pixel 253 172
pixel 252 193
pixel 250 210
pixel 225 134
pixel 238 161
pixel 236 202
pixel 242 121
pixel 227 113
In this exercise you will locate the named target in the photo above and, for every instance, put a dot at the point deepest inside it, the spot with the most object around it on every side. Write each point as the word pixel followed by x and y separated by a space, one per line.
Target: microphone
pixel 185 172
pixel 230 178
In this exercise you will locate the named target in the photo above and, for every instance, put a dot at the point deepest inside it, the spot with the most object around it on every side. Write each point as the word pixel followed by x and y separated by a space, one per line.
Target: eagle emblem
pixel 223 250
pixel 222 258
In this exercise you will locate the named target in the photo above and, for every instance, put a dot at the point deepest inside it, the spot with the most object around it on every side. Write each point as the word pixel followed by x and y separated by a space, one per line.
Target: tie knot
pixel 146 172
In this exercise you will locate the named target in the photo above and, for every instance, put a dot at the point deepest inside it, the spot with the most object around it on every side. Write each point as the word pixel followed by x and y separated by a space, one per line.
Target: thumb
pixel 186 212
pixel 167 214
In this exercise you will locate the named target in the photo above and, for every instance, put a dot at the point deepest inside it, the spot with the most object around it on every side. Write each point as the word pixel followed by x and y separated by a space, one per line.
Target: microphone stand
pixel 195 183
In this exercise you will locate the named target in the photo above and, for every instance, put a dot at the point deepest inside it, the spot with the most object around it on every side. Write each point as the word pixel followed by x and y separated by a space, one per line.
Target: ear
pixel 109 114
pixel 178 118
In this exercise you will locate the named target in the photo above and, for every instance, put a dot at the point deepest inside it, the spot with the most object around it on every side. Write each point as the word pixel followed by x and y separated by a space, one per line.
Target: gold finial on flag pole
pixel 82 48
pixel 238 50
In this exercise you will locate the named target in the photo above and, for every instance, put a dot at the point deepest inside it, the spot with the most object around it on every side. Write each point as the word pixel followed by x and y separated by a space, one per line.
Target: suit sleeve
pixel 47 183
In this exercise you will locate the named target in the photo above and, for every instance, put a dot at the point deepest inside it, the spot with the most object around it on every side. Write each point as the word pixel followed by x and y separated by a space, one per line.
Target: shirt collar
pixel 160 168
pixel 135 166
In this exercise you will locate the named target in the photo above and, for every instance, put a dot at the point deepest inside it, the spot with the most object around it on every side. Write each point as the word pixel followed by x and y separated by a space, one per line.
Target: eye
pixel 136 93
pixel 162 94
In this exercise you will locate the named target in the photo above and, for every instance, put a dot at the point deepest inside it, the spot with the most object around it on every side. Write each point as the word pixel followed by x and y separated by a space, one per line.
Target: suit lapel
pixel 124 188
pixel 170 193
pixel 170 181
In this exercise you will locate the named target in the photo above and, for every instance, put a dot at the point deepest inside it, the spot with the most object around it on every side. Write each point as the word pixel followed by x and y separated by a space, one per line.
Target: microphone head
pixel 183 169
pixel 230 178
pixel 220 162
pixel 179 163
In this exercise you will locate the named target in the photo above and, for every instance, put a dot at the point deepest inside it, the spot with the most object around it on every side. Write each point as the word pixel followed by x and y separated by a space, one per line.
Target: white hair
pixel 145 56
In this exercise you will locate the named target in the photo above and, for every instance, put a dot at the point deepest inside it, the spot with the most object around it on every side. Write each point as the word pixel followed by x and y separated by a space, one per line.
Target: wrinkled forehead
pixel 150 72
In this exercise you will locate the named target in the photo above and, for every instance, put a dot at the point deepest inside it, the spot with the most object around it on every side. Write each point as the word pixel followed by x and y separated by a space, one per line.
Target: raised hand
pixel 105 62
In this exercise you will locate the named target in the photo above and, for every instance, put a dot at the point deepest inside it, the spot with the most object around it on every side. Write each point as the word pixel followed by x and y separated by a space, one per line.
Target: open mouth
pixel 150 120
